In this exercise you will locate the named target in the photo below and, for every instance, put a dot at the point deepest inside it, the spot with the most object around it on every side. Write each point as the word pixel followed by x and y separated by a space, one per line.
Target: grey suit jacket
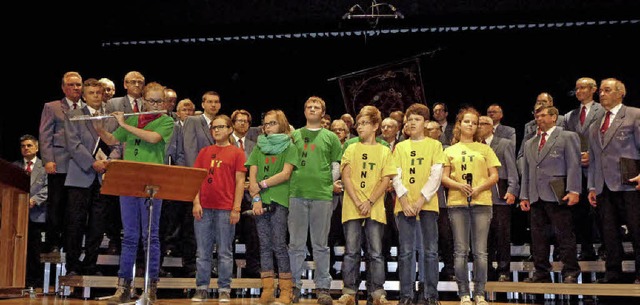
pixel 52 143
pixel 530 129
pixel 560 157
pixel 506 132
pixel 572 123
pixel 196 136
pixel 120 104
pixel 506 153
pixel 447 135
pixel 81 139
pixel 175 147
pixel 38 190
pixel 622 139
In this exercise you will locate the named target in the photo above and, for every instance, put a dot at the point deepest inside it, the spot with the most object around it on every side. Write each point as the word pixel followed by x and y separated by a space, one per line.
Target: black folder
pixel 559 186
pixel 629 168
pixel 502 186
pixel 101 148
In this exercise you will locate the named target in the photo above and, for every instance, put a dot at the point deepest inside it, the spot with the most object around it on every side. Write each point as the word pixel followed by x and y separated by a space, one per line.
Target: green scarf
pixel 273 144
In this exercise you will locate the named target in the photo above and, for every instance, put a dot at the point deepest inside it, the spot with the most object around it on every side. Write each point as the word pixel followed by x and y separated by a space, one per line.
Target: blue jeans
pixel 214 228
pixel 135 222
pixel 470 224
pixel 272 233
pixel 309 215
pixel 373 231
pixel 429 230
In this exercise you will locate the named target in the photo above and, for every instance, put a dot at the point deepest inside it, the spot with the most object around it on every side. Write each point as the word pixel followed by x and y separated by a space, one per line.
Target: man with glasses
pixel 133 84
pixel 502 131
pixel 440 113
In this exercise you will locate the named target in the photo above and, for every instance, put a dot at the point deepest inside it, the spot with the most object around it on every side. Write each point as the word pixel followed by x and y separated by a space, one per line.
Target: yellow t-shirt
pixel 415 158
pixel 369 163
pixel 475 158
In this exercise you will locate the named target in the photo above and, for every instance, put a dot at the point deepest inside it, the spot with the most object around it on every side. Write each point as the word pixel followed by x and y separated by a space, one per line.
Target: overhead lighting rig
pixel 375 12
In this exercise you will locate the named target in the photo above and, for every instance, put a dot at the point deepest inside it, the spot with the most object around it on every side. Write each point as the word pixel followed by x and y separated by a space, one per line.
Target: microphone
pixel 469 182
pixel 266 208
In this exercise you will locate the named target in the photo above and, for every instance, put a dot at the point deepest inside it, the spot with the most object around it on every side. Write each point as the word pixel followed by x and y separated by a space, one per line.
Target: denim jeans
pixel 373 232
pixel 272 233
pixel 135 222
pixel 429 233
pixel 309 215
pixel 214 228
pixel 470 225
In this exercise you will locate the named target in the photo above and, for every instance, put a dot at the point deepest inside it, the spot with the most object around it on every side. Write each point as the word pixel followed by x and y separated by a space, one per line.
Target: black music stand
pixel 139 179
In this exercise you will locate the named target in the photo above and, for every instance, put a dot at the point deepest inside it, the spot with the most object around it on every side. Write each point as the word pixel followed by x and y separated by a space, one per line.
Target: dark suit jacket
pixel 572 123
pixel 38 190
pixel 52 143
pixel 506 153
pixel 175 147
pixel 622 139
pixel 506 132
pixel 196 136
pixel 559 158
pixel 447 135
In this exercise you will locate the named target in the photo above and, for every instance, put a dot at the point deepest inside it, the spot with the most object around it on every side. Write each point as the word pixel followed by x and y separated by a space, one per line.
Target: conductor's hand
pixel 525 205
pixel 197 211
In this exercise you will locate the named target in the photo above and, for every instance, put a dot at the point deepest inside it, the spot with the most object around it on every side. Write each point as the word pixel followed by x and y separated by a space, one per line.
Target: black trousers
pixel 584 221
pixel 113 226
pixel 445 243
pixel 247 233
pixel 617 208
pixel 86 216
pixel 176 233
pixel 551 219
pixel 391 229
pixel 35 268
pixel 499 243
pixel 57 198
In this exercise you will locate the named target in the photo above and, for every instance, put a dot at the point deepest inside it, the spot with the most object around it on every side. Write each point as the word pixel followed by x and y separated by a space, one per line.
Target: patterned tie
pixel 583 115
pixel 543 140
pixel 29 167
pixel 241 144
pixel 135 106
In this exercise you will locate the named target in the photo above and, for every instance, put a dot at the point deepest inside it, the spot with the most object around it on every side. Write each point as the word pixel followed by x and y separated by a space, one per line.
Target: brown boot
pixel 153 291
pixel 268 286
pixel 123 293
pixel 285 282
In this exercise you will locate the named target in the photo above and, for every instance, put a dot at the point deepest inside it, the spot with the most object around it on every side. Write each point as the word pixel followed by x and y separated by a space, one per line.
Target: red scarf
pixel 145 119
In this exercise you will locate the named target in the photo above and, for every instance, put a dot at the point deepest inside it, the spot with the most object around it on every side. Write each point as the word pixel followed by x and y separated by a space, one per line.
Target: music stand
pixel 139 179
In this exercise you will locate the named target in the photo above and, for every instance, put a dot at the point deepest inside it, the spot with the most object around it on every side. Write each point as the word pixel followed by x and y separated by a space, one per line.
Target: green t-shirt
pixel 135 149
pixel 317 149
pixel 269 165
pixel 475 158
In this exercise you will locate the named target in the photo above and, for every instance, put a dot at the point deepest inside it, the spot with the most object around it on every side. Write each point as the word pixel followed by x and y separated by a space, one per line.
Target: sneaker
pixel 201 295
pixel 432 301
pixel 296 295
pixel 324 298
pixel 225 297
pixel 480 300
pixel 347 299
pixel 466 300
pixel 381 300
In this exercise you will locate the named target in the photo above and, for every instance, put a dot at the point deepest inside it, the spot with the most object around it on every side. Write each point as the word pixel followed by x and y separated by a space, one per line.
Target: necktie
pixel 583 115
pixel 135 106
pixel 29 168
pixel 241 144
pixel 605 124
pixel 75 105
pixel 543 140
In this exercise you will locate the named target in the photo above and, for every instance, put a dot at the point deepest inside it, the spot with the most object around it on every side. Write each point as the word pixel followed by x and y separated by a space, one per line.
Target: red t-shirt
pixel 219 186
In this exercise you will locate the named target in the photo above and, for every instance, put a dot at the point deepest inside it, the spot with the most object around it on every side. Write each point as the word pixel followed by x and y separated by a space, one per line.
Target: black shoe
pixel 72 273
pixel 587 256
pixel 538 279
pixel 504 278
pixel 405 301
pixel 637 281
pixel 55 249
pixel 570 279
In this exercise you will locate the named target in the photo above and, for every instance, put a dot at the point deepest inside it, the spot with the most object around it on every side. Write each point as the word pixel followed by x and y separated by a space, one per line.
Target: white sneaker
pixel 480 300
pixel 466 300
pixel 224 297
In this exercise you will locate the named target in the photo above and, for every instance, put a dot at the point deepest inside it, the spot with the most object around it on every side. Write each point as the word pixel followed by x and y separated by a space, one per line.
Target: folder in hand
pixel 559 185
pixel 629 168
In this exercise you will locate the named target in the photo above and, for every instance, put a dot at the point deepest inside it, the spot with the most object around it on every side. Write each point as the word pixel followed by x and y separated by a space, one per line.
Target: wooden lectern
pixel 14 223
pixel 151 181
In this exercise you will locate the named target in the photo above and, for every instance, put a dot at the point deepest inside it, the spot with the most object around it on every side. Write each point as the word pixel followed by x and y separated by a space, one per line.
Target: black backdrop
pixel 509 67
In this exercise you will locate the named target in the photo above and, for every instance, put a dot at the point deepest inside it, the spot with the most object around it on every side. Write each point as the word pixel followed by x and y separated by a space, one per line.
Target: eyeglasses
pixel 363 123
pixel 338 130
pixel 241 121
pixel 135 82
pixel 157 102
pixel 271 123
pixel 219 127
pixel 484 123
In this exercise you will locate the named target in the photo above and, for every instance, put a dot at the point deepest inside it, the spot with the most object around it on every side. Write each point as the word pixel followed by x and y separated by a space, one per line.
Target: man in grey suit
pixel 551 184
pixel 246 228
pixel 615 137
pixel 503 197
pixel 55 155
pixel 133 84
pixel 579 120
pixel 531 128
pixel 196 130
pixel 37 206
pixel 494 111
pixel 88 161
pixel 440 113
